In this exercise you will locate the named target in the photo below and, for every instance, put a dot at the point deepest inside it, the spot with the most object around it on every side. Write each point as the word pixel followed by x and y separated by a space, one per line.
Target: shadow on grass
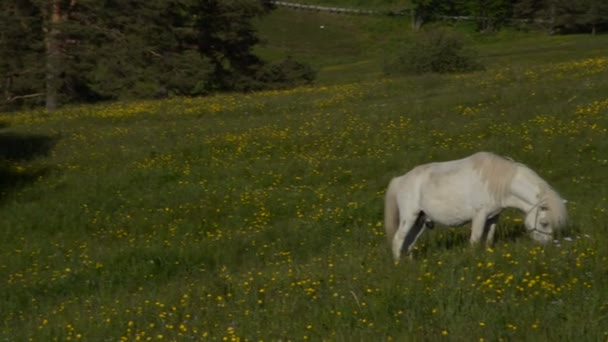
pixel 16 148
pixel 448 238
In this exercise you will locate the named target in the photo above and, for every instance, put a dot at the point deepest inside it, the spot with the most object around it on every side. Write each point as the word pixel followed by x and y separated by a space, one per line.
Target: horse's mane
pixel 557 207
pixel 496 171
pixel 548 197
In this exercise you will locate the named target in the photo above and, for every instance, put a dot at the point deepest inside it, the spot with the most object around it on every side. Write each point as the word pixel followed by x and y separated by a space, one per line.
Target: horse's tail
pixel 391 210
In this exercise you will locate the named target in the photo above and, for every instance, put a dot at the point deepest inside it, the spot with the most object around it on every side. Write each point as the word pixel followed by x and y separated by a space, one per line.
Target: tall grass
pixel 258 216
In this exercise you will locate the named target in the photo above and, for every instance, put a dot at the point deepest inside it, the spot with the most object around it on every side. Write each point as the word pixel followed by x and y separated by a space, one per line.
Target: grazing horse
pixel 473 189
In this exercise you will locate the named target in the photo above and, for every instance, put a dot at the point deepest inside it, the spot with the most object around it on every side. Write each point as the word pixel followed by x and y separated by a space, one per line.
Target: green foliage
pixel 122 56
pixel 434 51
pixel 531 9
pixel 126 50
pixel 580 16
pixel 427 10
pixel 287 73
pixel 491 14
pixel 21 50
pixel 169 51
pixel 225 35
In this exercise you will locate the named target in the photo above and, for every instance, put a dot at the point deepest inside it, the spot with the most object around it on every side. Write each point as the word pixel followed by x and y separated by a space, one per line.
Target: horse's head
pixel 545 217
pixel 539 223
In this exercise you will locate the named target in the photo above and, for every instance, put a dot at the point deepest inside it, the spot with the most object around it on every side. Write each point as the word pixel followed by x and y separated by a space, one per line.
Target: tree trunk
pixel 8 82
pixel 552 19
pixel 417 19
pixel 53 54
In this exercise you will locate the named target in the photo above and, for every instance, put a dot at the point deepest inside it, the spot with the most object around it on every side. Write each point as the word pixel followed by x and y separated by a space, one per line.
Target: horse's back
pixel 451 192
pixel 479 172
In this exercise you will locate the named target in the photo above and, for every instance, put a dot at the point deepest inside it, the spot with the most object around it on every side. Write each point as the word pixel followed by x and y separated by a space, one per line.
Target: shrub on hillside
pixel 287 73
pixel 435 51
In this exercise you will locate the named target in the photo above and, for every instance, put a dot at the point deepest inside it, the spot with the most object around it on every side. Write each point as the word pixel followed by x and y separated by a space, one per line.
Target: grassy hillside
pixel 259 216
pixel 346 48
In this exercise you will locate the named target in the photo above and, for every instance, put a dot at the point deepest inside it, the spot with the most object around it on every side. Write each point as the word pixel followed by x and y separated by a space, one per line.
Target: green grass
pixel 258 216
pixel 356 48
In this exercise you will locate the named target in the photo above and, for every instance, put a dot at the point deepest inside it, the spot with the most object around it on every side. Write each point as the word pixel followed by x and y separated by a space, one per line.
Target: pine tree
pixel 134 49
pixel 580 15
pixel 21 49
pixel 225 35
pixel 53 17
pixel 596 14
pixel 87 50
pixel 531 10
pixel 428 10
pixel 491 14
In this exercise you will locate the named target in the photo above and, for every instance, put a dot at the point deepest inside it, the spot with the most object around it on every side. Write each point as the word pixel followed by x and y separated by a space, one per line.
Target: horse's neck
pixel 518 203
pixel 525 191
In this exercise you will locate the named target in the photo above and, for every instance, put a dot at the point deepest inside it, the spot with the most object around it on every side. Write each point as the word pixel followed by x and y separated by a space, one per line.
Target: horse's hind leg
pixel 404 227
pixel 409 230
pixel 414 234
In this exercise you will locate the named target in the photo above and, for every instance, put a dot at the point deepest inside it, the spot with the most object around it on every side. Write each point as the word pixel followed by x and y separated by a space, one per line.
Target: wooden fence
pixel 340 10
pixel 405 11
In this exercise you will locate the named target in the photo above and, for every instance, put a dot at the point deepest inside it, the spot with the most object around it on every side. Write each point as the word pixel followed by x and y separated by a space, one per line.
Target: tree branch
pixel 20 97
pixel 154 53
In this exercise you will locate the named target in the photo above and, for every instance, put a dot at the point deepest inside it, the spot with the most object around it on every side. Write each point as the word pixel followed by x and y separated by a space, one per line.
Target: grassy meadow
pixel 258 217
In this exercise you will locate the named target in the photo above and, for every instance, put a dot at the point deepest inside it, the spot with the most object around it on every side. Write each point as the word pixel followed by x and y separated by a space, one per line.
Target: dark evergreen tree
pixel 133 49
pixel 21 50
pixel 531 10
pixel 225 35
pixel 580 15
pixel 86 50
pixel 428 10
pixel 491 14
pixel 595 15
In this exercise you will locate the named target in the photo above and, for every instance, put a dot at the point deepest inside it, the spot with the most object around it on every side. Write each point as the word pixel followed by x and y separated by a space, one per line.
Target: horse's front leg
pixel 477 227
pixel 491 230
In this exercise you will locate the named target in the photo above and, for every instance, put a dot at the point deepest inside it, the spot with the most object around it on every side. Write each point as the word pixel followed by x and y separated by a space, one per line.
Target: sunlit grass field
pixel 258 217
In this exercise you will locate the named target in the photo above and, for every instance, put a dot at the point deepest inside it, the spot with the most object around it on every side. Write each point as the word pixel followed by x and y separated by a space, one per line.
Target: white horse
pixel 474 189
